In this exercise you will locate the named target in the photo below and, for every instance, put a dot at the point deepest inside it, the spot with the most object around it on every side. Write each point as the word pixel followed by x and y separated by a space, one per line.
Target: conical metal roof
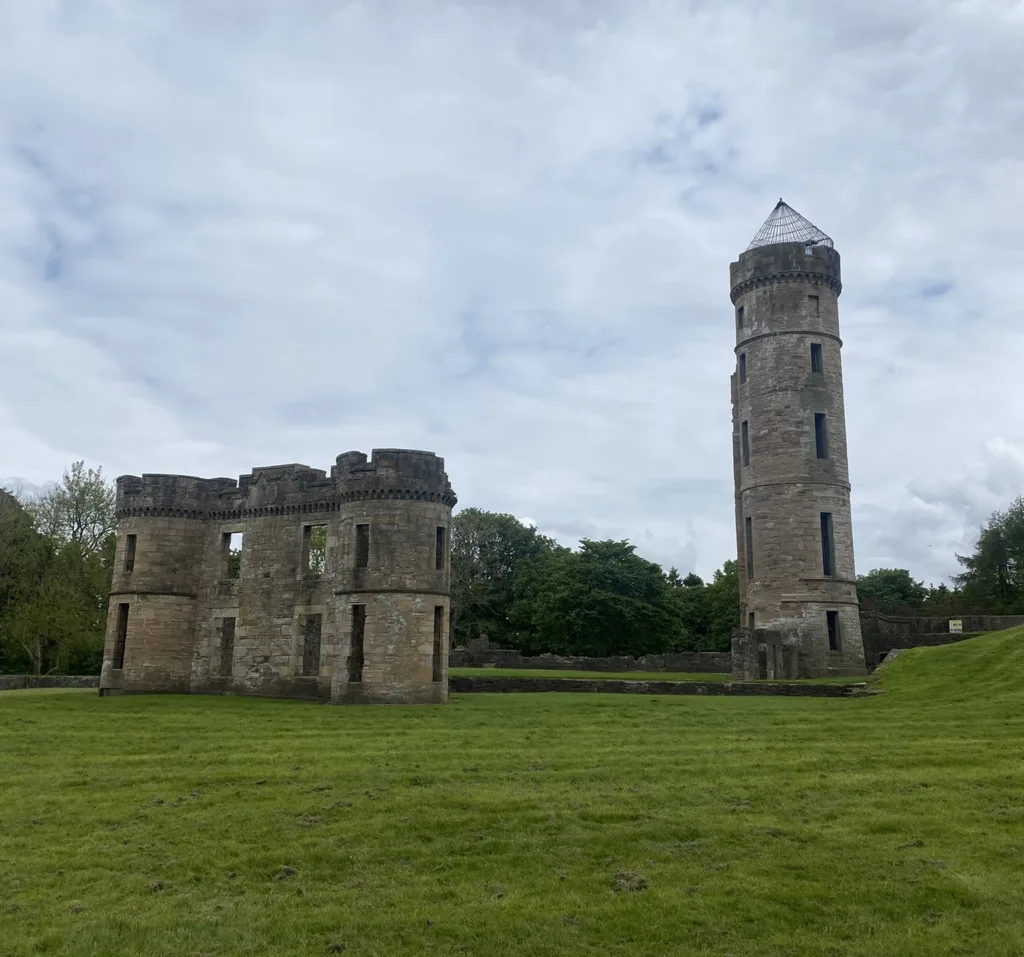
pixel 786 225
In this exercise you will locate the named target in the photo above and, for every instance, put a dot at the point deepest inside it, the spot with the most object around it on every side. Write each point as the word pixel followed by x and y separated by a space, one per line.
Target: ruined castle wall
pixel 267 622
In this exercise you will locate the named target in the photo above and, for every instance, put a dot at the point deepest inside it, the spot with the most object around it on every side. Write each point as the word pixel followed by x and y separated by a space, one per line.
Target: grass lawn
pixel 518 824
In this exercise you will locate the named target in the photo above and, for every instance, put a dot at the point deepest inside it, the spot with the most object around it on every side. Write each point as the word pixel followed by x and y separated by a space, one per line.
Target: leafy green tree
pixel 993 576
pixel 693 580
pixel 672 577
pixel 56 560
pixel 80 509
pixel 602 600
pixel 486 549
pixel 891 589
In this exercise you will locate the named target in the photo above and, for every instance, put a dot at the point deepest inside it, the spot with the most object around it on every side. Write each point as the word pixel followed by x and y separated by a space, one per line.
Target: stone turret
pixel 288 581
pixel 793 525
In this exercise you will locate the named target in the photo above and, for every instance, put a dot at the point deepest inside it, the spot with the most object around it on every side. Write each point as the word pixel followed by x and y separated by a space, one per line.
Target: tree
pixel 672 577
pixel 993 576
pixel 487 547
pixel 891 589
pixel 602 600
pixel 54 580
pixel 80 509
pixel 693 580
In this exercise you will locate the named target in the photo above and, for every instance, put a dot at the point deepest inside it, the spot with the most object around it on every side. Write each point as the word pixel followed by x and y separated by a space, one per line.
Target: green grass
pixel 888 825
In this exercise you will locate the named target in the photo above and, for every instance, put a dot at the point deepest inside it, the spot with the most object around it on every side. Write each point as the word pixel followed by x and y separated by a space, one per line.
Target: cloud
pixel 502 231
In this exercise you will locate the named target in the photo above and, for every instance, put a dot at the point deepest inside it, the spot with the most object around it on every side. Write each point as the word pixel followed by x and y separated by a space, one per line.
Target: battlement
pixel 406 473
pixel 391 472
pixel 780 262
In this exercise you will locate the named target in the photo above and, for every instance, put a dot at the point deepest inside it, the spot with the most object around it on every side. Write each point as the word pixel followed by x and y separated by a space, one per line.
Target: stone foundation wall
pixel 615 686
pixel 20 682
pixel 699 662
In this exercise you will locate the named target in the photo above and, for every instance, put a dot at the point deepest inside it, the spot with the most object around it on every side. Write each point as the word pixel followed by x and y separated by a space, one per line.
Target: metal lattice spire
pixel 786 225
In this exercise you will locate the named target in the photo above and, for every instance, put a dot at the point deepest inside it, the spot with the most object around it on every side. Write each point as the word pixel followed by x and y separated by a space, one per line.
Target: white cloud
pixel 502 231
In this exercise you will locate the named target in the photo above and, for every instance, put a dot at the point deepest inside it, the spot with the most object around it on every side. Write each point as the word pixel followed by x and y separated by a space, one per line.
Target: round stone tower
pixel 794 533
pixel 392 576
pixel 151 616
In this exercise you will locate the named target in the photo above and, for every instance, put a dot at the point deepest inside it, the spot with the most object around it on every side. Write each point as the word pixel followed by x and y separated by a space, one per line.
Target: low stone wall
pixel 616 686
pixel 20 682
pixel 699 662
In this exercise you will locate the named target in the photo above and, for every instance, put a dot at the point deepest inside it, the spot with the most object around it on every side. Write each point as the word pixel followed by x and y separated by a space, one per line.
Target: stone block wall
pixel 270 623
pixel 482 655
pixel 785 297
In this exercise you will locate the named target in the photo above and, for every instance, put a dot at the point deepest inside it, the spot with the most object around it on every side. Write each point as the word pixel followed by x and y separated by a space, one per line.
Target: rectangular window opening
pixel 129 552
pixel 743 367
pixel 814 304
pixel 832 618
pixel 750 621
pixel 121 636
pixel 820 435
pixel 355 652
pixel 311 645
pixel 314 549
pixel 745 441
pixel 227 646
pixel 438 640
pixel 231 546
pixel 362 546
pixel 817 366
pixel 828 554
pixel 750 548
pixel 439 547
pixel 739 317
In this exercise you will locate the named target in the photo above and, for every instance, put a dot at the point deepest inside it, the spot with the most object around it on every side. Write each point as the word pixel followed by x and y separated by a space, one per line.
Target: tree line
pixel 56 561
pixel 510 583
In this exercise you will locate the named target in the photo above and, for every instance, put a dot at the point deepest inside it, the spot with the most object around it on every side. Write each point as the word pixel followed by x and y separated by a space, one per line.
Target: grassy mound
pixel 511 824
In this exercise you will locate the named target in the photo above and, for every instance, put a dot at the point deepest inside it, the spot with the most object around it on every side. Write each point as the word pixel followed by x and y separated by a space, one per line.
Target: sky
pixel 241 234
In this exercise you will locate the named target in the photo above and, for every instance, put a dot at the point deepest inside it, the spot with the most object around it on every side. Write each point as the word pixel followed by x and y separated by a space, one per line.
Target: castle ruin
pixel 289 582
pixel 798 588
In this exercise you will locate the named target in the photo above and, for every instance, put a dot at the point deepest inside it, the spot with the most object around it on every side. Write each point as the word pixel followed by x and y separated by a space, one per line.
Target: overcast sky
pixel 246 233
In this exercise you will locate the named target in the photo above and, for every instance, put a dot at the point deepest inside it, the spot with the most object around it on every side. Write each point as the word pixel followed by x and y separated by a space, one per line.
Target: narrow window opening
pixel 121 635
pixel 745 440
pixel 439 547
pixel 739 317
pixel 750 548
pixel 750 621
pixel 362 546
pixel 814 305
pixel 816 362
pixel 832 617
pixel 129 553
pixel 231 546
pixel 743 367
pixel 311 644
pixel 227 646
pixel 355 654
pixel 314 550
pixel 828 555
pixel 438 636
pixel 820 435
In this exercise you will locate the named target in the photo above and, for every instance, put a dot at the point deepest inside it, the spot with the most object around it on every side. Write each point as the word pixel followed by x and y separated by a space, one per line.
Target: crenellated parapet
pixel 286 489
pixel 785 262
pixel 393 474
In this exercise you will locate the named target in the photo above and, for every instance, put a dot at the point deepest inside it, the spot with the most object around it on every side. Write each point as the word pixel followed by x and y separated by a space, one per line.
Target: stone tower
pixel 287 582
pixel 794 535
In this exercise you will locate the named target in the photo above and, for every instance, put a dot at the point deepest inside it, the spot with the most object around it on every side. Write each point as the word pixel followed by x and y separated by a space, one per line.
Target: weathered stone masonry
pixel 793 527
pixel 340 591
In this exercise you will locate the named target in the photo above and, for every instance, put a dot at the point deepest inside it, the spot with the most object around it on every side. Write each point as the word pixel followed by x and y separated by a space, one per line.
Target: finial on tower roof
pixel 786 225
